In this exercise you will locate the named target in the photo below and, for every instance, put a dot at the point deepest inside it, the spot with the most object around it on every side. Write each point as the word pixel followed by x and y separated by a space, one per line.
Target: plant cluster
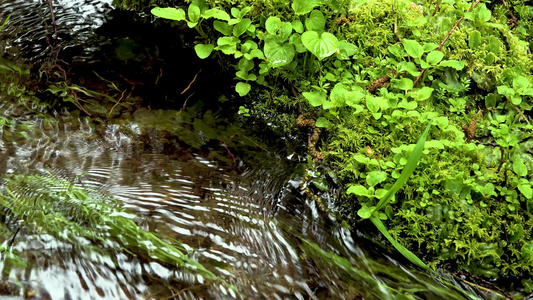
pixel 373 74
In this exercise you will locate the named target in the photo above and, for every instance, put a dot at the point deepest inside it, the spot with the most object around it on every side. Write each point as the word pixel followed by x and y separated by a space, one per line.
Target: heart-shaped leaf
pixel 203 51
pixel 279 55
pixel 321 46
pixel 272 24
pixel 242 88
pixel 316 21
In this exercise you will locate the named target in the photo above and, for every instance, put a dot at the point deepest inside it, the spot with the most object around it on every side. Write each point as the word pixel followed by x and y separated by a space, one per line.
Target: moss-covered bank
pixel 373 74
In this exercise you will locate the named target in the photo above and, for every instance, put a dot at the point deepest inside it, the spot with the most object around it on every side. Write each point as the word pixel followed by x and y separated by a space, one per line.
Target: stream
pixel 183 164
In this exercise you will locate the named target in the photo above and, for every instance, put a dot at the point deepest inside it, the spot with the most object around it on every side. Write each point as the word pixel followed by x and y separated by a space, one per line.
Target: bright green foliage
pixel 373 73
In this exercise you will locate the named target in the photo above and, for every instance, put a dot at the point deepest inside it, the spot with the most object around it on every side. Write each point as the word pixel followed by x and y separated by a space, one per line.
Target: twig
pixel 193 80
pixel 446 39
pixel 78 102
pixel 118 101
pixel 185 103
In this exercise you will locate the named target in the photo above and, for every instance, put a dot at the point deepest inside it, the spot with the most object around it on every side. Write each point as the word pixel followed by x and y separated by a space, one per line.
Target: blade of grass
pixel 5 22
pixel 407 170
pixel 404 251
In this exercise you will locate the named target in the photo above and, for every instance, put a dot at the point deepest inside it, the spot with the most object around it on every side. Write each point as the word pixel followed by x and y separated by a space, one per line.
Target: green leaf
pixel 526 190
pixel 403 84
pixel 216 13
pixel 418 22
pixel 227 44
pixel 434 57
pixel 484 13
pixel 242 88
pixel 346 50
pixel 321 46
pixel 413 48
pixel 428 47
pixel 222 27
pixel 375 177
pixel 422 94
pixel 365 212
pixel 241 27
pixel 372 103
pixel 409 168
pixel 506 91
pixel 409 67
pixel 169 13
pixel 302 7
pixel 316 21
pixel 396 50
pixel 279 55
pixel 244 11
pixel 246 76
pixel 194 13
pixel 458 65
pixel 245 65
pixel 516 100
pixel 520 83
pixel 315 98
pixel 284 32
pixel 494 45
pixel 322 123
pixel 272 24
pixel 298 26
pixel 490 100
pixel 442 122
pixel 406 253
pixel 519 167
pixel 235 12
pixel 358 190
pixel 474 39
pixel 203 51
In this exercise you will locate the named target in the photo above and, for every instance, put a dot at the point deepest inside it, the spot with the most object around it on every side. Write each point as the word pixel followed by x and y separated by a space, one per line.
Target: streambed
pixel 224 186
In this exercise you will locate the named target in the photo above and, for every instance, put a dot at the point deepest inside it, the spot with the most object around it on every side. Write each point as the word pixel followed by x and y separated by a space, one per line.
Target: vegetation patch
pixel 373 75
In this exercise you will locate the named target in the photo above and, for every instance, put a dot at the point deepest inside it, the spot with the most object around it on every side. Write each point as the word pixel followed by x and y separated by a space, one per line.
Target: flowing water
pixel 224 186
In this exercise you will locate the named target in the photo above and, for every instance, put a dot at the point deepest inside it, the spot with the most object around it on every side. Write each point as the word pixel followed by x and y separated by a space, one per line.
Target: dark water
pixel 223 185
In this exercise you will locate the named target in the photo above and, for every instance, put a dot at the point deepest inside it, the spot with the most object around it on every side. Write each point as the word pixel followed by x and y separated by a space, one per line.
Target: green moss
pixel 469 203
